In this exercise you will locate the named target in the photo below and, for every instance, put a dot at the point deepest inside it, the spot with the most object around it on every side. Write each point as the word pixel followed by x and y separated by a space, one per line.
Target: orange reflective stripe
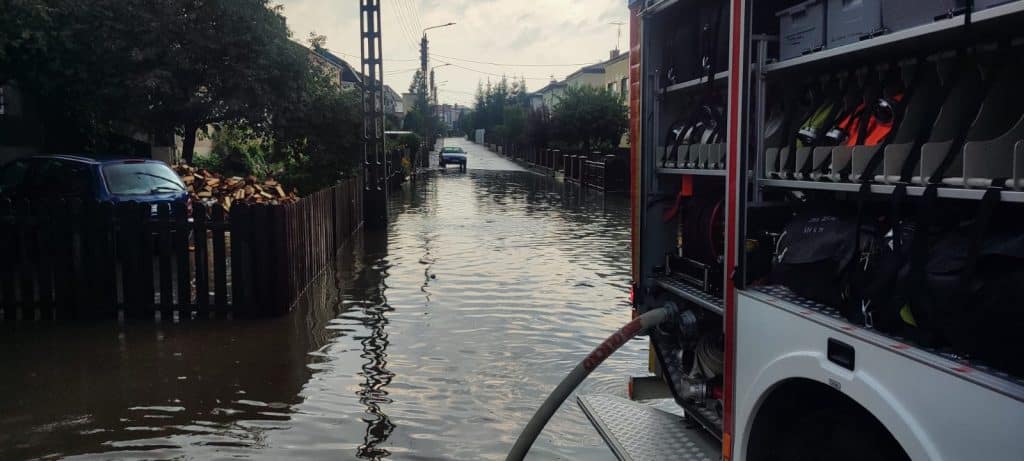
pixel 877 132
pixel 852 126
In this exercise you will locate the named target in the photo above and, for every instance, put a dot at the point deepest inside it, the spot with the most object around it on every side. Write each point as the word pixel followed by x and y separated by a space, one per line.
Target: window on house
pixel 611 87
pixel 624 87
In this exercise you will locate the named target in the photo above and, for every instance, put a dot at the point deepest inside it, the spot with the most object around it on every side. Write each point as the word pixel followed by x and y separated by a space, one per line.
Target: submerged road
pixel 435 339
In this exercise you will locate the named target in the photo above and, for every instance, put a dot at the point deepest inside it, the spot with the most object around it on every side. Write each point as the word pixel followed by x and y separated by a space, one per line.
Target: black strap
pixel 925 217
pixel 899 197
pixel 919 255
pixel 857 273
pixel 914 157
pixel 989 203
pixel 670 143
pixel 711 36
pixel 961 137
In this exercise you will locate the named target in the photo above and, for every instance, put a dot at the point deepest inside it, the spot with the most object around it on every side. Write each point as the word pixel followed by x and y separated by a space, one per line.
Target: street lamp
pixel 424 60
pixel 436 27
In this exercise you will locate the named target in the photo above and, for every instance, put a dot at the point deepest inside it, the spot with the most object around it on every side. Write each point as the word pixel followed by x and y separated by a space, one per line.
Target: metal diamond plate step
pixel 635 431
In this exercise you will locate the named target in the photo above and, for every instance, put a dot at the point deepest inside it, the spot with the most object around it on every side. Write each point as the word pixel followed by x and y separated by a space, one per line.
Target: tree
pixel 226 60
pixel 536 132
pixel 586 117
pixel 107 67
pixel 317 135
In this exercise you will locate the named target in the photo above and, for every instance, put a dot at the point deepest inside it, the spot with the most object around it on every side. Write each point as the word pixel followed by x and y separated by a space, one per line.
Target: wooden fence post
pixel 183 260
pixel 44 276
pixel 25 261
pixel 202 269
pixel 164 258
pixel 283 297
pixel 220 276
pixel 240 227
pixel 7 271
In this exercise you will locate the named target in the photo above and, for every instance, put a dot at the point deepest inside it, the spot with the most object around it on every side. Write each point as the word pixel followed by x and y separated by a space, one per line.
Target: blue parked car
pixel 100 179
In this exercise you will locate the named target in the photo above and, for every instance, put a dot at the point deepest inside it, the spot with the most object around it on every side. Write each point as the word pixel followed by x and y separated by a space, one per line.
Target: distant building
pixel 616 75
pixel 408 101
pixel 342 72
pixel 612 75
pixel 547 96
pixel 592 76
pixel 450 114
pixel 616 80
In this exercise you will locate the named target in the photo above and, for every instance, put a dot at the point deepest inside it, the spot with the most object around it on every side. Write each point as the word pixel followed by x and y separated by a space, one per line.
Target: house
pixel 616 74
pixel 547 96
pixel 393 103
pixel 346 75
pixel 616 80
pixel 449 114
pixel 592 76
pixel 612 75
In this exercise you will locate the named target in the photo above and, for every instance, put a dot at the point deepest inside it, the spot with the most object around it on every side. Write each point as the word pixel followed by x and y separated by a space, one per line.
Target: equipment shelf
pixel 692 171
pixel 995 380
pixel 996 12
pixel 943 192
pixel 690 293
pixel 907 39
pixel 696 83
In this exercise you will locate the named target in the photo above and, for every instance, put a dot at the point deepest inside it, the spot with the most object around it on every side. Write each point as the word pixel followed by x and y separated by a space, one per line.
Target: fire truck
pixel 826 196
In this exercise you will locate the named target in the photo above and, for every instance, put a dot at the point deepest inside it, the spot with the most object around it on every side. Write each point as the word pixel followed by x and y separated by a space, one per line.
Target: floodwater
pixel 436 339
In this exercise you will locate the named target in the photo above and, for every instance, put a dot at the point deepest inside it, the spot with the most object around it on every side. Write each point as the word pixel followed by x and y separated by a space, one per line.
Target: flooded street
pixel 436 339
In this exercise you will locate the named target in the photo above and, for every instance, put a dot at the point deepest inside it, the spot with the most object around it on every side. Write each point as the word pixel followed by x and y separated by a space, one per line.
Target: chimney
pixel 613 54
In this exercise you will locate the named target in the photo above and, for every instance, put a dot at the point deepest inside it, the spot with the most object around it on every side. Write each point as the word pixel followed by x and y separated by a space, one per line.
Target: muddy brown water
pixel 434 339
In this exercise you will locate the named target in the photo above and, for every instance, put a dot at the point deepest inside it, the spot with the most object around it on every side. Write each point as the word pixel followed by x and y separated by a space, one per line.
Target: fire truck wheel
pixel 840 435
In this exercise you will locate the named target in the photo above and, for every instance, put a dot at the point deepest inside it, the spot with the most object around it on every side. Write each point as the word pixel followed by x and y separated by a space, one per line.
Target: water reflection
pixel 435 339
pixel 373 391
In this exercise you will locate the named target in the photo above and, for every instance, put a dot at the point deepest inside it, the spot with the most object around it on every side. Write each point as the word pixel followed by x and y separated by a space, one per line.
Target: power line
pixel 414 9
pixel 393 72
pixel 385 59
pixel 405 25
pixel 456 91
pixel 491 73
pixel 515 65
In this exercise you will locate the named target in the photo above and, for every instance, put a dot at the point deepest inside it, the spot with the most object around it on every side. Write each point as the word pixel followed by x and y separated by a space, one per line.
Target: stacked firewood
pixel 209 188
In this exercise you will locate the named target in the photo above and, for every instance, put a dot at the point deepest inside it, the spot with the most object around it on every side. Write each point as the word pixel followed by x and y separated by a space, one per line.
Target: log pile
pixel 209 188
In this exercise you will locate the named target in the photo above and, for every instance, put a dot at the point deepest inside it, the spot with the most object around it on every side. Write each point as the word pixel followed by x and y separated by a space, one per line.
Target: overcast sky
pixel 535 32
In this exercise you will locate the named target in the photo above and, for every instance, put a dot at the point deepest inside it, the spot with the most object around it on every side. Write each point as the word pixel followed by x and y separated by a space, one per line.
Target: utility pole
pixel 426 93
pixel 433 88
pixel 423 60
pixel 375 174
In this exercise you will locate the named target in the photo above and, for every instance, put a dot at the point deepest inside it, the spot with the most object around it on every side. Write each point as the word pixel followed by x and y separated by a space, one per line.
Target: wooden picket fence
pixel 65 259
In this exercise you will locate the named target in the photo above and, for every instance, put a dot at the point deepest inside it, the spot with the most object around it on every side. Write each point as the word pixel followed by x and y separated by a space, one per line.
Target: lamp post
pixel 433 87
pixel 424 46
pixel 422 98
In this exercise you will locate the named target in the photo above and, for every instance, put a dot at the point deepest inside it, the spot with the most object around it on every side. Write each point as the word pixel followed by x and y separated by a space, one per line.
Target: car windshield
pixel 452 150
pixel 141 178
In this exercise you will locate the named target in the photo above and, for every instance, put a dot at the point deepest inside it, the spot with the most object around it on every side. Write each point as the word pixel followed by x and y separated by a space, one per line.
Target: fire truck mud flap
pixel 635 431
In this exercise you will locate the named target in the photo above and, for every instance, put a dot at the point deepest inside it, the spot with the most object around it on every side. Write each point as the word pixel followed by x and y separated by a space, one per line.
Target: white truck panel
pixel 933 413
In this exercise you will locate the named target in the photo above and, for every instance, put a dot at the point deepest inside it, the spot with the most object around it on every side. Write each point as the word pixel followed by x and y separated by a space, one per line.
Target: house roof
pixel 348 73
pixel 550 87
pixel 592 69
pixel 618 58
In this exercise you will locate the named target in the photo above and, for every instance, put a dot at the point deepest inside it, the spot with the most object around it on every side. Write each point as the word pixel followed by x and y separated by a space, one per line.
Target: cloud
pixel 518 32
